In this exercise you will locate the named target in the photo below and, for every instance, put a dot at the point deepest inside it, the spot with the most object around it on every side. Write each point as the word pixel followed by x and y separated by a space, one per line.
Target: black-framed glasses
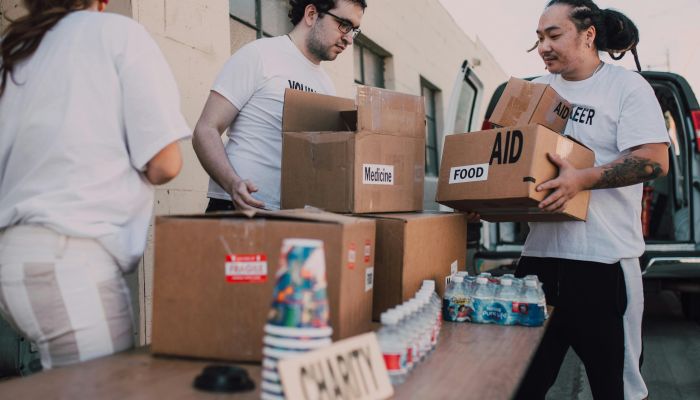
pixel 344 25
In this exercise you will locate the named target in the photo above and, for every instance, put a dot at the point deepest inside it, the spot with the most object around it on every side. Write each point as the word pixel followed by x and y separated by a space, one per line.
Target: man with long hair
pixel 248 95
pixel 590 270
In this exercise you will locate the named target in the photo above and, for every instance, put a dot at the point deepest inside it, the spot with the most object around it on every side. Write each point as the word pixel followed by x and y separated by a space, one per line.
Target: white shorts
pixel 64 293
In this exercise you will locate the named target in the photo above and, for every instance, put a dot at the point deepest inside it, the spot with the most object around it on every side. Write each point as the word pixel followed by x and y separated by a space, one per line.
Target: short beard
pixel 316 47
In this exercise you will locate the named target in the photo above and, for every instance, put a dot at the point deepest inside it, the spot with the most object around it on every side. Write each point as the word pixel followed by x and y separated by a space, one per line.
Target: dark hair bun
pixel 620 32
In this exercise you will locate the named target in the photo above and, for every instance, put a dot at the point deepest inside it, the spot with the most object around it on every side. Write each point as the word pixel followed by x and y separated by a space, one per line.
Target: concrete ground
pixel 671 366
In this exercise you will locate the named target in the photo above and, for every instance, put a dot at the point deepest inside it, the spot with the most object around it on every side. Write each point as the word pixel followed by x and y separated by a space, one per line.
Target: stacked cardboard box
pixel 412 247
pixel 495 172
pixel 361 156
pixel 214 276
pixel 214 273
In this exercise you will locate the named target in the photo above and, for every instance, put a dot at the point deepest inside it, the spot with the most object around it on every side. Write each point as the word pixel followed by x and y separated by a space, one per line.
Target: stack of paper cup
pixel 298 319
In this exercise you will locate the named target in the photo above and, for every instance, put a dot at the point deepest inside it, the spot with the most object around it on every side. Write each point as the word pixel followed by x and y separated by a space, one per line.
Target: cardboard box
pixel 412 247
pixel 361 156
pixel 495 173
pixel 200 310
pixel 524 102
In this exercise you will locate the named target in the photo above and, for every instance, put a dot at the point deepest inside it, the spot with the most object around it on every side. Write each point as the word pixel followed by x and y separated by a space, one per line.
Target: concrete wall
pixel 9 10
pixel 194 36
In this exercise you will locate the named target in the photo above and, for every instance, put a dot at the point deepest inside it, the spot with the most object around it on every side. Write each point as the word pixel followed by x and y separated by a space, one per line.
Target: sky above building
pixel 669 33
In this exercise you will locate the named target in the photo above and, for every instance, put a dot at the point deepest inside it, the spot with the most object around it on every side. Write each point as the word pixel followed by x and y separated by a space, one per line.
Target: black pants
pixel 590 300
pixel 219 205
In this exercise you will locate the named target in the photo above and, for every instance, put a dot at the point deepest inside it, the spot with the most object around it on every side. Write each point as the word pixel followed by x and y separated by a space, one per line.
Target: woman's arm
pixel 165 165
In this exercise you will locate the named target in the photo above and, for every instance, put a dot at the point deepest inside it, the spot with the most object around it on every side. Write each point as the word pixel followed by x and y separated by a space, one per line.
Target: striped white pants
pixel 64 293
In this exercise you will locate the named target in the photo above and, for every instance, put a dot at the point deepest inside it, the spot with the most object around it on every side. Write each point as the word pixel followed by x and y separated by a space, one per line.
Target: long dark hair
pixel 615 33
pixel 23 35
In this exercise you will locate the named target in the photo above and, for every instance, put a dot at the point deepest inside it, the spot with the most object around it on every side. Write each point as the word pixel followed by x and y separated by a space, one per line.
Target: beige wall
pixel 9 10
pixel 194 36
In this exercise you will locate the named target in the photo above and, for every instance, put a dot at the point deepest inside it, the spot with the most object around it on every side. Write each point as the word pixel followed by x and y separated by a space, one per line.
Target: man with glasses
pixel 247 98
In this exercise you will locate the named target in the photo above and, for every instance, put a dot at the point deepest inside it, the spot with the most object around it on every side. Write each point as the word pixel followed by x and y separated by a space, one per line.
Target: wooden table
pixel 470 362
pixel 473 361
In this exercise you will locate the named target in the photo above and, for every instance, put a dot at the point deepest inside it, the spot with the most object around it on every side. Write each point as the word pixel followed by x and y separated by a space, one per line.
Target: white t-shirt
pixel 613 110
pixel 254 80
pixel 94 104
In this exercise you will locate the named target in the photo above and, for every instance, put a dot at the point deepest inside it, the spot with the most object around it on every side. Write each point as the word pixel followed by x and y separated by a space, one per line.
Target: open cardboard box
pixel 353 156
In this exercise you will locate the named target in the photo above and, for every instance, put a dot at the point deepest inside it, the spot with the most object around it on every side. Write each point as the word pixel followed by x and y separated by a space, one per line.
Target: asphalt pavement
pixel 671 367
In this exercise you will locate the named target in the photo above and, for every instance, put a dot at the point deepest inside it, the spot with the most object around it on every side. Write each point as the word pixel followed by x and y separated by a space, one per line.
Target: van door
pixel 461 116
pixel 670 213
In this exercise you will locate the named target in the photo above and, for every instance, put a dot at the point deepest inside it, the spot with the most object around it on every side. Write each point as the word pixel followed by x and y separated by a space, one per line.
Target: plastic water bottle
pixel 532 311
pixel 483 296
pixel 505 297
pixel 408 335
pixel 414 323
pixel 447 300
pixel 543 301
pixel 436 307
pixel 426 323
pixel 393 348
pixel 457 305
pixel 412 330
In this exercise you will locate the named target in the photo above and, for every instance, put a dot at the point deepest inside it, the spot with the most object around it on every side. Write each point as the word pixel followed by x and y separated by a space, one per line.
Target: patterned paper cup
pixel 295 344
pixel 272 388
pixel 298 333
pixel 299 297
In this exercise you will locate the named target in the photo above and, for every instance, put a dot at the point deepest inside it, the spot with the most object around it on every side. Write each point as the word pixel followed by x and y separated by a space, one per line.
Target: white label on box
pixel 246 268
pixel 469 173
pixel 369 279
pixel 453 267
pixel 377 174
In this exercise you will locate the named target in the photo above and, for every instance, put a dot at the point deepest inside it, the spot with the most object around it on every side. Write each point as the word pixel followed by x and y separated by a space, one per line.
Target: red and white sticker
pixel 352 256
pixel 246 268
pixel 367 250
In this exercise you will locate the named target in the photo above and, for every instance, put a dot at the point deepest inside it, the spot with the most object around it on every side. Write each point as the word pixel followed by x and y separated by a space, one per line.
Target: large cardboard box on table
pixel 214 277
pixel 495 172
pixel 412 247
pixel 353 156
pixel 524 103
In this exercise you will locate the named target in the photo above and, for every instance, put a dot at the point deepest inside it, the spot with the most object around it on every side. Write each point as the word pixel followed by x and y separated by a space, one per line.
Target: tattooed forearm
pixel 630 171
